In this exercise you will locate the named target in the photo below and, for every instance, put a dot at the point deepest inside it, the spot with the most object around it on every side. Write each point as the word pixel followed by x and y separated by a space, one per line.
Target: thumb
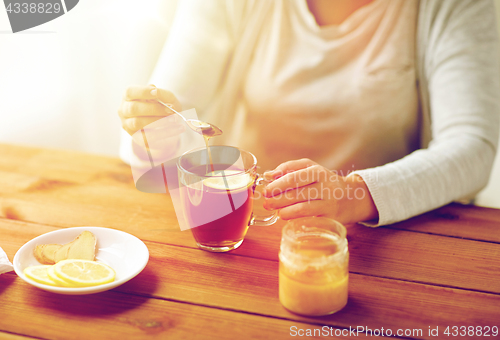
pixel 288 167
pixel 166 97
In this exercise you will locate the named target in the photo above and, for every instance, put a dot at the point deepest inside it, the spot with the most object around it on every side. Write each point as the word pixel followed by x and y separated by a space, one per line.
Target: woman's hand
pixel 161 128
pixel 304 188
pixel 140 108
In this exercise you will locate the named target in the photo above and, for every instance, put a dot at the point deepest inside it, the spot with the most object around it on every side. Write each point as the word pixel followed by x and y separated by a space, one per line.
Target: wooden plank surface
pixel 11 336
pixel 458 220
pixel 436 270
pixel 250 285
pixel 254 284
pixel 115 315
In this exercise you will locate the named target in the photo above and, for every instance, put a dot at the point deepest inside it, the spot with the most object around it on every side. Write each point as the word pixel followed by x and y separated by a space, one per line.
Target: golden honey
pixel 313 273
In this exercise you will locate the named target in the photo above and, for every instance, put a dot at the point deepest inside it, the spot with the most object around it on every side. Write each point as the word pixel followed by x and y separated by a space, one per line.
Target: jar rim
pixel 294 231
pixel 318 222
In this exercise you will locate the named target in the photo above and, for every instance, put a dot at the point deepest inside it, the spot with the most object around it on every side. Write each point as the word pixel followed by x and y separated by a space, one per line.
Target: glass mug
pixel 313 270
pixel 217 193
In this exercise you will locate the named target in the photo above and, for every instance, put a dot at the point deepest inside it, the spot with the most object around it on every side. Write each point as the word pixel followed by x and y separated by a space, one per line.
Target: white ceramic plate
pixel 125 253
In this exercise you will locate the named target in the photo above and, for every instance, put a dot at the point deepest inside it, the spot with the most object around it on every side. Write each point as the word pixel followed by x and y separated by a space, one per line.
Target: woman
pixel 405 93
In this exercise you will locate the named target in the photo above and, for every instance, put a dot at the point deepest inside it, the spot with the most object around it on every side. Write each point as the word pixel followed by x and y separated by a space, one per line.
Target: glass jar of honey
pixel 313 272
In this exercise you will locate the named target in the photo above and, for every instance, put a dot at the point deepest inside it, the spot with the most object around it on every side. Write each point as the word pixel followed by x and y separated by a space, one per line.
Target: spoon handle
pixel 170 108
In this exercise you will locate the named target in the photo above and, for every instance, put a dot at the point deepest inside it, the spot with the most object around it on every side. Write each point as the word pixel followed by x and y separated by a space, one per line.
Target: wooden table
pixel 436 271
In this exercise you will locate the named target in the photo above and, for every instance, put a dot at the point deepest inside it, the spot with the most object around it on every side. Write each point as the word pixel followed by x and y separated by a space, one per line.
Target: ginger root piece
pixel 45 253
pixel 81 248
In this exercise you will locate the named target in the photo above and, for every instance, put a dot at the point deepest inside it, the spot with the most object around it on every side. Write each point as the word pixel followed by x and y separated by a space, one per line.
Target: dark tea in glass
pixel 218 201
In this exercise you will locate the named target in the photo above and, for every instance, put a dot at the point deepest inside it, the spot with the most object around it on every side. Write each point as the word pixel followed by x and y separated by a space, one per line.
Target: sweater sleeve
pixel 461 79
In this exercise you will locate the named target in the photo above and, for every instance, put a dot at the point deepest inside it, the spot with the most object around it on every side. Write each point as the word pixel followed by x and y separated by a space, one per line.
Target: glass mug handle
pixel 263 220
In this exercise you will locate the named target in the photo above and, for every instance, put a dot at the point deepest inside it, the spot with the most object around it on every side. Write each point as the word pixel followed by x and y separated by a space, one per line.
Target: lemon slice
pixel 228 180
pixel 83 273
pixel 39 274
pixel 53 276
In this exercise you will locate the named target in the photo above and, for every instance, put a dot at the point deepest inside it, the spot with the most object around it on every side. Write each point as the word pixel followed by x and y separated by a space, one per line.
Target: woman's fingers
pixel 288 167
pixel 140 108
pixel 167 97
pixel 311 192
pixel 140 93
pixel 304 209
pixel 149 92
pixel 130 109
pixel 299 178
pixel 141 101
pixel 132 125
pixel 305 189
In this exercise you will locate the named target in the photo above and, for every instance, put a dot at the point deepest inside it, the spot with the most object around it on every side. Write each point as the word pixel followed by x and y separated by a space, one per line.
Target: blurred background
pixel 61 83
